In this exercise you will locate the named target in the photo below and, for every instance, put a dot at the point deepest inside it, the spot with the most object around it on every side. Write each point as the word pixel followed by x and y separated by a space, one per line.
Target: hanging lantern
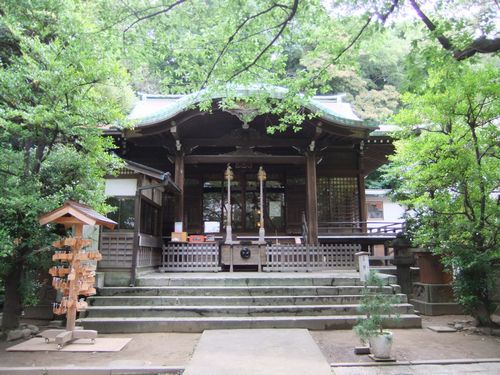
pixel 229 174
pixel 261 174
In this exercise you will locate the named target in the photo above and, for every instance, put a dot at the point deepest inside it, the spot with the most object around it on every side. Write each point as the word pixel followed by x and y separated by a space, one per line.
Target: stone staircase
pixel 196 302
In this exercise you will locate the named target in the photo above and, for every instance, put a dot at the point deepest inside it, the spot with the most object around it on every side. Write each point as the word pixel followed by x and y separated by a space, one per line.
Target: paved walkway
pixel 443 368
pixel 257 352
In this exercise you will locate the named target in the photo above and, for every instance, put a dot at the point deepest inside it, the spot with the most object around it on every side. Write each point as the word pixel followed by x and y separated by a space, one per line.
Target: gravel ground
pixel 415 344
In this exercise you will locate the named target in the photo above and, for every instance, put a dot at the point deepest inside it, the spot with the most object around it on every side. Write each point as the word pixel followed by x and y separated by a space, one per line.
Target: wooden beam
pixel 159 141
pixel 250 142
pixel 264 159
pixel 312 198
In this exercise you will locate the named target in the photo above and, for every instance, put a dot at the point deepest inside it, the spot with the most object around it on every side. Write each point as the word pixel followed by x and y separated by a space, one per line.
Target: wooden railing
pixel 386 227
pixel 356 227
pixel 311 257
pixel 190 257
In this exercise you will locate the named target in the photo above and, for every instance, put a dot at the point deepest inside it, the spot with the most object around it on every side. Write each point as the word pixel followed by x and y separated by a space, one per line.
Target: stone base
pixel 116 277
pixel 433 309
pixel 434 299
pixel 42 312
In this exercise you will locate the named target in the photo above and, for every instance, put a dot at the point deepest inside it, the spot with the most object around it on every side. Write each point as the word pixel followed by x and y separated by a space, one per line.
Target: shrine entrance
pixel 245 198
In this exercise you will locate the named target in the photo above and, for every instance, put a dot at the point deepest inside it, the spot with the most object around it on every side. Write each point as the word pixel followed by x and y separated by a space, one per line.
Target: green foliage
pixel 54 94
pixel 381 179
pixel 376 305
pixel 62 75
pixel 447 170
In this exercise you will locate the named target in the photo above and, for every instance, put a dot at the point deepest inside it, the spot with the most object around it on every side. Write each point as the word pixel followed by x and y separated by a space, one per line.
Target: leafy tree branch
pixel 478 45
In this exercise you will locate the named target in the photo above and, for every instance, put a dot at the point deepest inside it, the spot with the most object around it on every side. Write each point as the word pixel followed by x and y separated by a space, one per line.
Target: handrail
pixel 357 226
pixel 390 227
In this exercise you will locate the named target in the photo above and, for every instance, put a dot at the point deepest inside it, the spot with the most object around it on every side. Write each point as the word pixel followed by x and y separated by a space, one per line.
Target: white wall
pixel 120 187
pixel 392 211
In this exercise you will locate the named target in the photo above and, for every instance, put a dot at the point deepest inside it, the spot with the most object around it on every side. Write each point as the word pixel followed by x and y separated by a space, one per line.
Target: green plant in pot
pixel 378 307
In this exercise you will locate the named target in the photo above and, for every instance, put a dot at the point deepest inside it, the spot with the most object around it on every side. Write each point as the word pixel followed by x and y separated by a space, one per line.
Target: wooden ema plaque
pixel 72 277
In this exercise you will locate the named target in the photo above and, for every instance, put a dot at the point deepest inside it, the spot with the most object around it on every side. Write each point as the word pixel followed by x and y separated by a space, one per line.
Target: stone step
pixel 199 324
pixel 231 311
pixel 227 300
pixel 259 279
pixel 237 290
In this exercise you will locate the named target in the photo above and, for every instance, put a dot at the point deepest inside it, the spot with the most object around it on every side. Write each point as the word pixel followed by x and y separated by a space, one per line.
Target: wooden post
pixel 361 190
pixel 73 286
pixel 312 198
pixel 229 176
pixel 179 181
pixel 363 265
pixel 261 176
pixel 137 233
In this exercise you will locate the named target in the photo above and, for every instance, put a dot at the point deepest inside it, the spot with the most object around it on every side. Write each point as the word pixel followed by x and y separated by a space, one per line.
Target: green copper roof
pixel 153 109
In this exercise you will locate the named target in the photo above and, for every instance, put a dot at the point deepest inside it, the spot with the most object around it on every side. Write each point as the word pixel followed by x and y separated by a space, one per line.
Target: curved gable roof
pixel 152 109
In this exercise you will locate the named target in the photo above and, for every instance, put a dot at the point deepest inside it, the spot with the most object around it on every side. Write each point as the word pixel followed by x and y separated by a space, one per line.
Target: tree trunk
pixel 482 315
pixel 13 303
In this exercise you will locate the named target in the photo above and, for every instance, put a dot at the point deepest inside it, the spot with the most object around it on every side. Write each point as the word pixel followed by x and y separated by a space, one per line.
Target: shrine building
pixel 289 192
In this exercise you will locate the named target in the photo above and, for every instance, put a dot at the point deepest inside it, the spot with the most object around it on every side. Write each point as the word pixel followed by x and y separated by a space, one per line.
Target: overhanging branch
pixel 154 14
pixel 282 26
pixel 230 40
pixel 479 45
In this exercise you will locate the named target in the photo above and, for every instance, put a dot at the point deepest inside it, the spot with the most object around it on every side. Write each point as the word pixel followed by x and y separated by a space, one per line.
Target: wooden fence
pixel 116 248
pixel 191 257
pixel 311 257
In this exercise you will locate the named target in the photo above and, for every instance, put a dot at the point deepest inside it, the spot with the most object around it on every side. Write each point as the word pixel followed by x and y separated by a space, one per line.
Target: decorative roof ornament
pixel 244 112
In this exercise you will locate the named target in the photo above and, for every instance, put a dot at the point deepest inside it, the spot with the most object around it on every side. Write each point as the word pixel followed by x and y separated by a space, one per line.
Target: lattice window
pixel 338 199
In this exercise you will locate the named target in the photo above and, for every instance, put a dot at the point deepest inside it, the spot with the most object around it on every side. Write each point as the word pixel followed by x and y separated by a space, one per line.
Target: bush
pixel 377 306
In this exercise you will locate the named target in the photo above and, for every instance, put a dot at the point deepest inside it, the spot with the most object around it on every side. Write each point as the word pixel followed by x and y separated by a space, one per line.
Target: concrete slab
pixel 38 344
pixel 420 369
pixel 440 329
pixel 257 352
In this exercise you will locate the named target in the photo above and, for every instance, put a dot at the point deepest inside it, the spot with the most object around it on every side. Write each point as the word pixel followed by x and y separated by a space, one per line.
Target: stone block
pixel 433 292
pixel 17 334
pixel 434 308
pixel 43 312
pixel 117 278
pixel 434 299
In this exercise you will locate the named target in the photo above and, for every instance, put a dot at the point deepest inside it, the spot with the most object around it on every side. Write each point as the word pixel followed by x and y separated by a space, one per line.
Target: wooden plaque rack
pixel 72 277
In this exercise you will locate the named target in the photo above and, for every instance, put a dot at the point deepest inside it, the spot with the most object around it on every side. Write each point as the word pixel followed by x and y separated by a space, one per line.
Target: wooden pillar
pixel 137 233
pixel 179 181
pixel 73 285
pixel 312 198
pixel 361 189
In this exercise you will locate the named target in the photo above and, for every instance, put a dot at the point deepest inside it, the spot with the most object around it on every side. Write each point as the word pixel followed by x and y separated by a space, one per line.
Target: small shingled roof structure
pixel 72 212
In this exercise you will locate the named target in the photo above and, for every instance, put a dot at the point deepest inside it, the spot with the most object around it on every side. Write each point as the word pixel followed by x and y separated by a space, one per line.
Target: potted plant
pixel 377 306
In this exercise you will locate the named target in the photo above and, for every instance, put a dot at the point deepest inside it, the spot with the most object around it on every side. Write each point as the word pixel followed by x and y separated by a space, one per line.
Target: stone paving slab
pixel 257 352
pixel 441 329
pixel 101 344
